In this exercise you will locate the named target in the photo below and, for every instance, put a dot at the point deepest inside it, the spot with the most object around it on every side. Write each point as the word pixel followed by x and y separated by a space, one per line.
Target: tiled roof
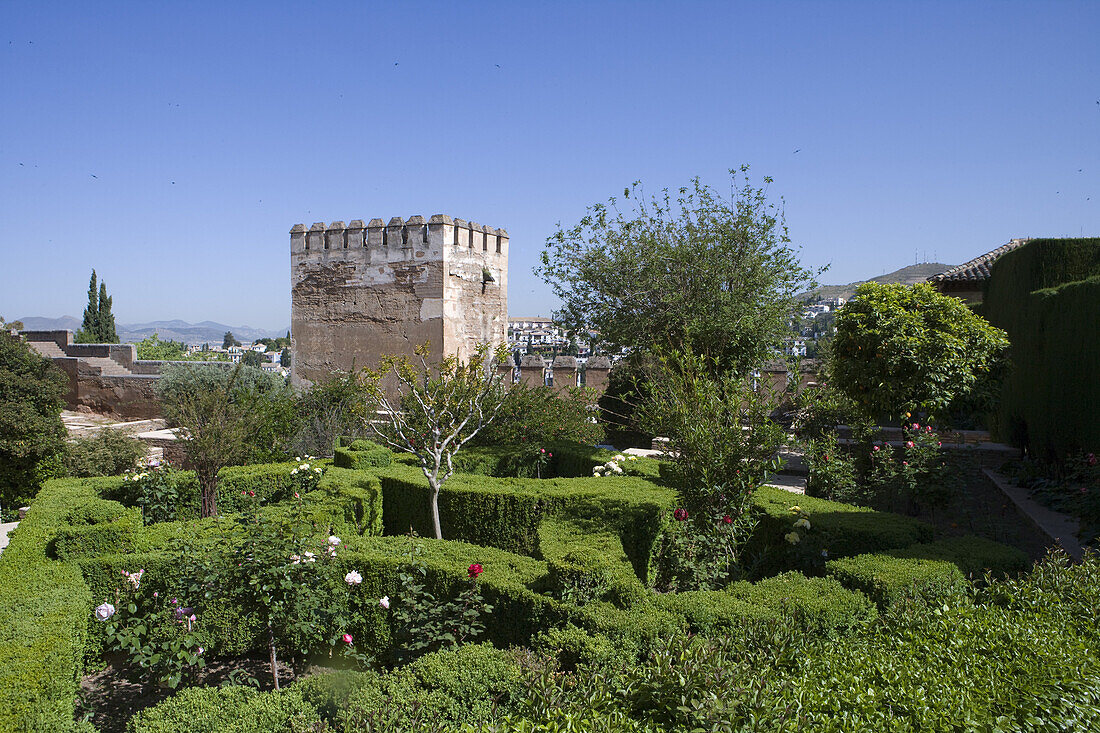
pixel 977 269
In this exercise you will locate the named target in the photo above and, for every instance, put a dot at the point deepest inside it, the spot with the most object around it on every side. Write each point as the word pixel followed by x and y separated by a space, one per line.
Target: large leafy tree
pixel 98 326
pixel 902 349
pixel 31 432
pixel 699 271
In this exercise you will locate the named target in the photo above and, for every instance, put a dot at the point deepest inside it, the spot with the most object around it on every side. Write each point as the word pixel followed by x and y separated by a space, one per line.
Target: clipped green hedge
pixel 928 572
pixel 227 710
pixel 1046 296
pixel 815 606
pixel 836 530
pixel 360 454
pixel 44 608
pixel 587 562
pixel 506 512
pixel 563 460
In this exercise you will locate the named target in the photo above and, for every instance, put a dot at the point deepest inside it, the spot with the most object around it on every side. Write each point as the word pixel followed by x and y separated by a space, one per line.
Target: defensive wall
pixel 361 291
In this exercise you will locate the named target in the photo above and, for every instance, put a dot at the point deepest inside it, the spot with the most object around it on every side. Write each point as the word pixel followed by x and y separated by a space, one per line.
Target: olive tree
pixel 705 271
pixel 432 410
pixel 902 349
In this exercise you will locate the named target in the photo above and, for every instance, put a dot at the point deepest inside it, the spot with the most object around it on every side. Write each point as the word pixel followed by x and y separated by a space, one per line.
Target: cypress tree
pixel 89 329
pixel 107 333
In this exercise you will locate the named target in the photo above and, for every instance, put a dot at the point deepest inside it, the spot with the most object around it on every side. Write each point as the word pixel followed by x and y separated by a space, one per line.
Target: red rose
pixel 474 570
pixel 727 519
pixel 680 514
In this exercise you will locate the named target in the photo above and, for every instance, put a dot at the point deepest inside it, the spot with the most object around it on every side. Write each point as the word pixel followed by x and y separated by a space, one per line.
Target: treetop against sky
pixel 172 147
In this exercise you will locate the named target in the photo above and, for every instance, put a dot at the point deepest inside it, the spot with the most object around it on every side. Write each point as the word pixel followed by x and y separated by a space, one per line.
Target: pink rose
pixel 346 638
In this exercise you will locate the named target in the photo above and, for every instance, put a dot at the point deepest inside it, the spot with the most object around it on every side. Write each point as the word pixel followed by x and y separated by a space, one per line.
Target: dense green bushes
pixel 1046 295
pixel 105 453
pixel 534 416
pixel 361 454
pixel 227 710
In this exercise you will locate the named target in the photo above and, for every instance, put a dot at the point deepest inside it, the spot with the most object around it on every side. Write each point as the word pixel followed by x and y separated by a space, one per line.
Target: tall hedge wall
pixel 1046 295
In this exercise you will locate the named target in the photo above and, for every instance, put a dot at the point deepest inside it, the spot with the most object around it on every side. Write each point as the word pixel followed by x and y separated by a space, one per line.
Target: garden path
pixel 4 529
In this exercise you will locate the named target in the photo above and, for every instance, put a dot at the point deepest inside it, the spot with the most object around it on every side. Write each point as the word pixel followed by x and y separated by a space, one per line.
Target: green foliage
pixel 425 623
pixel 153 348
pixel 587 562
pixel 156 634
pixel 31 432
pixel 98 326
pixel 724 442
pixel 330 408
pixel 701 269
pixel 228 416
pixel 227 710
pixel 831 471
pixel 229 340
pixel 506 513
pixel 1046 295
pixel 626 383
pixel 361 454
pixel 836 530
pixel 252 358
pixel 890 580
pixel 116 531
pixel 537 416
pixel 44 607
pixel 104 453
pixel 902 349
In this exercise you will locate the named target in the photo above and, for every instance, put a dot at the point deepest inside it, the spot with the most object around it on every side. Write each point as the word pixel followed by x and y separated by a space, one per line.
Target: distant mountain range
pixel 207 332
pixel 906 276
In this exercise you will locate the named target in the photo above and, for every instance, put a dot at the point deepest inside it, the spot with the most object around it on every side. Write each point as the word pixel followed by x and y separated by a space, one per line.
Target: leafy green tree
pixel 10 325
pixel 226 416
pixel 432 410
pixel 536 416
pixel 907 349
pixel 154 349
pixel 699 269
pixel 252 358
pixel 229 340
pixel 284 358
pixel 98 326
pixel 31 432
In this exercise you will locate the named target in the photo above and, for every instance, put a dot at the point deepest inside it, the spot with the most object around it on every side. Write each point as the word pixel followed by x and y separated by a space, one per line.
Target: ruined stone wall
pixel 362 291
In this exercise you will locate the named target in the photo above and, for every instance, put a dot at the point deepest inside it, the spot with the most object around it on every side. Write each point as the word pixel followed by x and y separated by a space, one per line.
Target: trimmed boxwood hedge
pixel 360 454
pixel 815 606
pixel 506 512
pixel 227 710
pixel 836 530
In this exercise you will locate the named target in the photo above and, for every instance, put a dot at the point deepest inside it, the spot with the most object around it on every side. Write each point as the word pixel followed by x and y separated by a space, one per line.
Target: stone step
pixel 47 348
pixel 107 367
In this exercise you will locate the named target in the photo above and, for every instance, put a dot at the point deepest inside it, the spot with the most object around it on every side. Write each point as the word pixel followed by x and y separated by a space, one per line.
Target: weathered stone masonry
pixel 362 291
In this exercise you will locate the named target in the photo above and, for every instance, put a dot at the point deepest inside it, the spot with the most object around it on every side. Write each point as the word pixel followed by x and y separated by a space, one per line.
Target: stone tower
pixel 362 291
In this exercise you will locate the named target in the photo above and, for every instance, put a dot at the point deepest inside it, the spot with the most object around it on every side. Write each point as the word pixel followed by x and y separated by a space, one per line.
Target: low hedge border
pixel 836 530
pixel 506 512
pixel 360 454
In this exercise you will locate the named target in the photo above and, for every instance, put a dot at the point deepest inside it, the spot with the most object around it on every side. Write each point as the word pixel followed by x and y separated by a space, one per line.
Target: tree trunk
pixel 209 496
pixel 435 508
pixel 274 662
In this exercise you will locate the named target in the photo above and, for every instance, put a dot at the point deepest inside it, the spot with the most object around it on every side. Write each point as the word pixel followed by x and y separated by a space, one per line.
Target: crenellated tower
pixel 360 291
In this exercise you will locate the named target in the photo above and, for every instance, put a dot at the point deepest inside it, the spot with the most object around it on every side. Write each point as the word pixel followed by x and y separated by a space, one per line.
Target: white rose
pixel 104 611
pixel 333 540
pixel 353 578
pixel 309 557
pixel 384 601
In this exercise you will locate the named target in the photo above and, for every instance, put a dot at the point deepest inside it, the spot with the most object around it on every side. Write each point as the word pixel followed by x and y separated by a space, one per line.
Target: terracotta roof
pixel 977 269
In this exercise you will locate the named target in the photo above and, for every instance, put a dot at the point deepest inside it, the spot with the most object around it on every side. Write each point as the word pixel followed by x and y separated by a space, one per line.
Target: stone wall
pixel 363 291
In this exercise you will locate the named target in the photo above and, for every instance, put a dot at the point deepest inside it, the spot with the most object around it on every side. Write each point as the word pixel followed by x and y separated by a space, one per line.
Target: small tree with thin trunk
pixel 213 423
pixel 432 410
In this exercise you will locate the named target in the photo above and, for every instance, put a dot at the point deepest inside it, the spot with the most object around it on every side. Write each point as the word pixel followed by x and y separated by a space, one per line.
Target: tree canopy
pixel 911 349
pixel 702 271
pixel 31 431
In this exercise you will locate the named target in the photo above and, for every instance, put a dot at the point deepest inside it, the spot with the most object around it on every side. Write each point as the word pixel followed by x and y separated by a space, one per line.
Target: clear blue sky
pixel 210 128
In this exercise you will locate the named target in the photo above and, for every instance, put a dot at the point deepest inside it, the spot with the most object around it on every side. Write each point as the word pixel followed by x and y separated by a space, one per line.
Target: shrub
pixel 361 454
pixel 540 416
pixel 813 606
pixel 836 530
pixel 105 453
pixel 227 710
pixel 832 472
pixel 587 562
pixel 889 580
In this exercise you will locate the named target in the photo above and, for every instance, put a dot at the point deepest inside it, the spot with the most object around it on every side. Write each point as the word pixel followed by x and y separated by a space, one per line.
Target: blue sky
pixel 172 146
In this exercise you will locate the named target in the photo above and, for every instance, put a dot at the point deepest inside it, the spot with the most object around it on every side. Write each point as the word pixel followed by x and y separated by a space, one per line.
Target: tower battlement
pixel 360 291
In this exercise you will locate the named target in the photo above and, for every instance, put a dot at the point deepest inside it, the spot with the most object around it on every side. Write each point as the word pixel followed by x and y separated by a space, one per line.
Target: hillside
pixel 175 330
pixel 906 275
